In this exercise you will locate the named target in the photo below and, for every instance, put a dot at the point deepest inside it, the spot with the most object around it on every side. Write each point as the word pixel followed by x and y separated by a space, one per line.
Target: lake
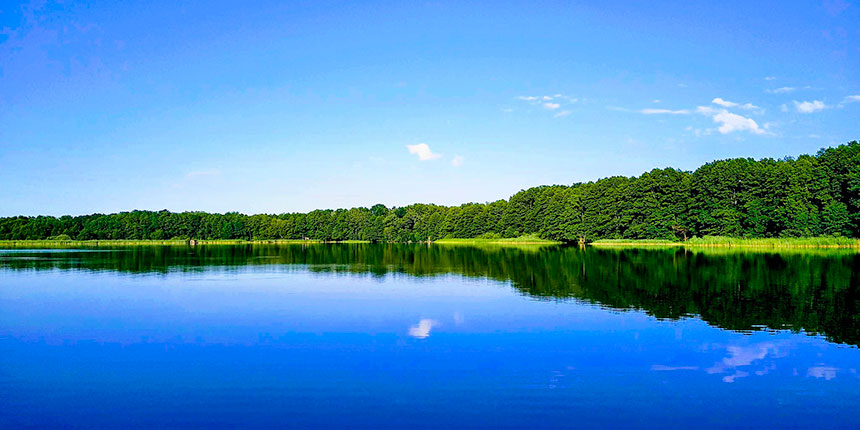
pixel 418 336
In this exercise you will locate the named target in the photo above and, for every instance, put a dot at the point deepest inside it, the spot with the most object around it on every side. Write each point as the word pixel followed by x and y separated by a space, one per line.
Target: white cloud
pixel 457 161
pixel 730 122
pixel 551 106
pixel 618 109
pixel 769 78
pixel 562 114
pixel 664 111
pixel 728 104
pixel 851 99
pixel 809 107
pixel 548 98
pixel 723 103
pixel 783 107
pixel 781 90
pixel 422 329
pixel 655 101
pixel 422 151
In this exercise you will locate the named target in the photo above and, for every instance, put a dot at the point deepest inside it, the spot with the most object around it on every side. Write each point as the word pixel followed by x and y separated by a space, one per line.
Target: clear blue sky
pixel 291 106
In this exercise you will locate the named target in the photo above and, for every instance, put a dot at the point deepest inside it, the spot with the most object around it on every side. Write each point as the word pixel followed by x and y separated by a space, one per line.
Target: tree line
pixel 811 195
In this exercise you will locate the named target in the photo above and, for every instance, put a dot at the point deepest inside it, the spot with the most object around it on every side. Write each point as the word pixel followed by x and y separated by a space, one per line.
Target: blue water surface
pixel 269 343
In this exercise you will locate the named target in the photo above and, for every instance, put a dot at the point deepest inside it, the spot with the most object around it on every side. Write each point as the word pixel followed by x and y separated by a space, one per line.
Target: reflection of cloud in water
pixel 825 372
pixel 662 368
pixel 458 318
pixel 736 375
pixel 422 329
pixel 742 356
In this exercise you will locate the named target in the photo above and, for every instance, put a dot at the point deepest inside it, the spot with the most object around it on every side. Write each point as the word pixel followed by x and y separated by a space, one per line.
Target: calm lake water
pixel 417 336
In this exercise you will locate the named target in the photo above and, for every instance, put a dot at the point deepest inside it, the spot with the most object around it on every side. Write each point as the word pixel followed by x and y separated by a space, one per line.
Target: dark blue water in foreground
pixel 382 336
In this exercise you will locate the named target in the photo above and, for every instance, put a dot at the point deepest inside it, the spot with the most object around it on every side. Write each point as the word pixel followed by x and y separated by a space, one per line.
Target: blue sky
pixel 292 106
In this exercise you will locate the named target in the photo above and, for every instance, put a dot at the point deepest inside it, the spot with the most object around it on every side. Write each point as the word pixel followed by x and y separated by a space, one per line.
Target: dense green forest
pixel 742 197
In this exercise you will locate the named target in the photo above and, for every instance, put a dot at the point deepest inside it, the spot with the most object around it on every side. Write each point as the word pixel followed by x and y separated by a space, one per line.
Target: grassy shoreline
pixel 703 242
pixel 736 242
pixel 492 242
pixel 529 239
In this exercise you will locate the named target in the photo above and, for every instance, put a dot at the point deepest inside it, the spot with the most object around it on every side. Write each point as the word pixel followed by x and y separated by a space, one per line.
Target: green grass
pixel 529 239
pixel 638 242
pixel 728 242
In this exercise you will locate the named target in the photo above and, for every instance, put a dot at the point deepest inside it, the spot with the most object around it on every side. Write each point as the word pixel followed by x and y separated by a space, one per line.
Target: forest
pixel 807 196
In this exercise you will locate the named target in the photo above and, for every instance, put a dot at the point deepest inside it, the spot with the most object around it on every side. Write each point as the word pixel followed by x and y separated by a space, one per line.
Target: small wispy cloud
pixel 618 109
pixel 651 111
pixel 423 152
pixel 728 104
pixel 809 107
pixel 781 90
pixel 730 122
pixel 552 102
pixel 724 103
pixel 770 78
pixel 457 161
pixel 851 99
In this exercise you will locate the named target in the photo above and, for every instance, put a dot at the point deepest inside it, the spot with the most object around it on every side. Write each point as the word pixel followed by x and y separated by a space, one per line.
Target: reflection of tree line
pixel 817 293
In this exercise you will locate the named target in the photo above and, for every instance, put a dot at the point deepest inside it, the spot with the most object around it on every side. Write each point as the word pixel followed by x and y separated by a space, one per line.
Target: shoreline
pixel 707 242
pixel 726 242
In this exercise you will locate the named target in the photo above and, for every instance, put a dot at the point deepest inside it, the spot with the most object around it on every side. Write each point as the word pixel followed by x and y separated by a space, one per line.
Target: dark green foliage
pixel 808 196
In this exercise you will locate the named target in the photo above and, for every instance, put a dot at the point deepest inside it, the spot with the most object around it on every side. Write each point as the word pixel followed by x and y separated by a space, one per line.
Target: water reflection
pixel 814 292
pixel 426 337
pixel 741 360
pixel 422 329
pixel 822 372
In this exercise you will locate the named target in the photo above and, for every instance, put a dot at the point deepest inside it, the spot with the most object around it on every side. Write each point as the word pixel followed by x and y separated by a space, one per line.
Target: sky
pixel 292 106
